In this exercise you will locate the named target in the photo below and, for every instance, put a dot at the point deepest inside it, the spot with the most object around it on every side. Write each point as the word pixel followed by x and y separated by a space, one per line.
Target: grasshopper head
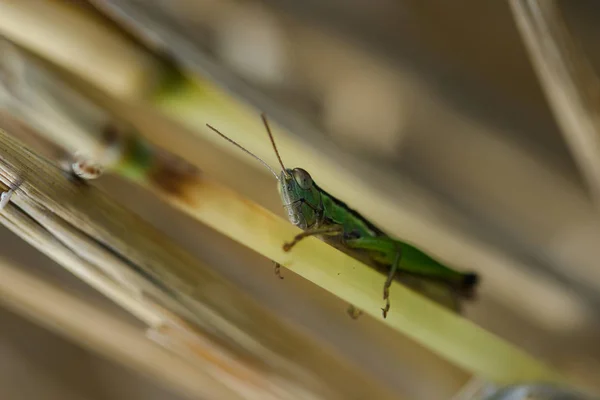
pixel 300 198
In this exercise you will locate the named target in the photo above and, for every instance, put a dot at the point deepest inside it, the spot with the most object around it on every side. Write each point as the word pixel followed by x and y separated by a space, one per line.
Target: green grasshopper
pixel 320 214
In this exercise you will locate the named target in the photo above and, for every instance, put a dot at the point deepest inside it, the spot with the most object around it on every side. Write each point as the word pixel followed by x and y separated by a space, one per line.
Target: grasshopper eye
pixel 302 178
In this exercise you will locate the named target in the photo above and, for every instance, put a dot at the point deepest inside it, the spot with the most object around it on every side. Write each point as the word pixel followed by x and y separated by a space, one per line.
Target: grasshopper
pixel 320 214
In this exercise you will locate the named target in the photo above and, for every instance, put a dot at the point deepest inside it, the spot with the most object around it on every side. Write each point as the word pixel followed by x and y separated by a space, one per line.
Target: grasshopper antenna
pixel 264 118
pixel 245 150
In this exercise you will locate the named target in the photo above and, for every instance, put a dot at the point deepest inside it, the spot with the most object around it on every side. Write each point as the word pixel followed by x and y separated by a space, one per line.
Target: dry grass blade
pixel 106 277
pixel 243 347
pixel 85 324
pixel 133 81
pixel 571 86
pixel 30 93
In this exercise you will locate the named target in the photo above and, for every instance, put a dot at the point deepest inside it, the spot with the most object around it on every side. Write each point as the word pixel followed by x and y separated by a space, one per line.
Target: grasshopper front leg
pixel 332 230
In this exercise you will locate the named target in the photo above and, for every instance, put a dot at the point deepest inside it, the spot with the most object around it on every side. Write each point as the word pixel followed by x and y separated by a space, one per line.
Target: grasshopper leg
pixel 277 270
pixel 388 282
pixel 353 312
pixel 329 230
pixel 381 246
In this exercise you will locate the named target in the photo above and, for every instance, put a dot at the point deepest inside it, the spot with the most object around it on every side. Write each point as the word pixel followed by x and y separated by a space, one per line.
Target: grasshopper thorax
pixel 300 197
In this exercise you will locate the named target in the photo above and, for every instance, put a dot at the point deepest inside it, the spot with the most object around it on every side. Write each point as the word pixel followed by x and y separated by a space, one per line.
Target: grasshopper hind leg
pixel 381 246
pixel 388 282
